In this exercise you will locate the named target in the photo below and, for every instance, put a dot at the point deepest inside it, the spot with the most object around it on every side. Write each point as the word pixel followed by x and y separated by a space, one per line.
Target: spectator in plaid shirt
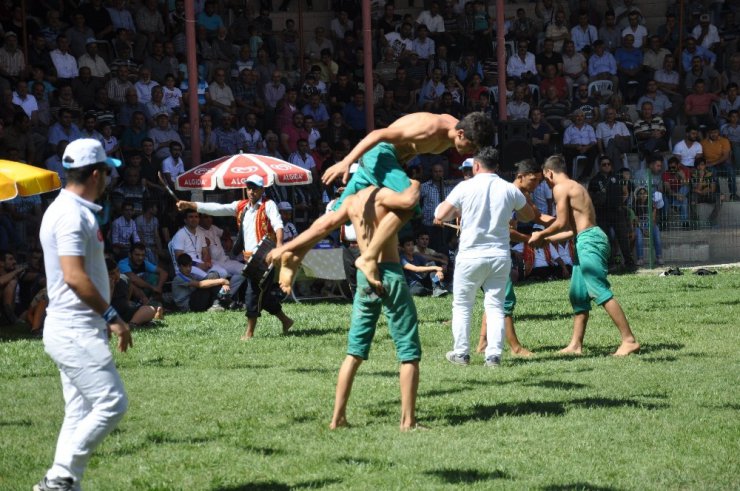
pixel 433 192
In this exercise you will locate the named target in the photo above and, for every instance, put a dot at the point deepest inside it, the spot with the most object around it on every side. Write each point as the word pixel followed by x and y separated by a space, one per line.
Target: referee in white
pixel 484 204
pixel 79 315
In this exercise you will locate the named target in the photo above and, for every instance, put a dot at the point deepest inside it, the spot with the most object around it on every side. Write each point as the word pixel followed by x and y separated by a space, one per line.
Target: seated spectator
pixel 317 110
pixel 163 135
pixel 717 152
pixel 554 108
pixel 144 86
pixel 341 92
pixel 227 137
pixel 65 64
pixel 731 72
pixel 552 79
pixel 706 34
pixel 579 140
pixel 303 159
pixel 544 263
pixel 612 137
pixel 575 67
pixel 123 232
pixel 415 68
pixel 732 132
pixel 220 97
pixel 688 149
pixel 427 253
pixel 587 104
pixel 404 90
pixel 424 277
pixel 637 30
pixel 122 293
pixel 583 34
pixel 64 99
pixel 655 55
pixel 602 65
pixel 194 293
pixel 647 220
pixel 64 129
pixel 33 279
pixel 146 278
pixel 172 95
pixel 609 32
pixel 541 132
pixel 548 56
pixel 117 86
pixel 354 115
pixel 523 28
pixel 290 232
pixel 521 66
pixel 189 240
pixel 692 50
pixel 387 112
pixel 129 108
pixel 629 68
pixel 704 189
pixel 423 45
pixel 250 137
pixel 729 102
pixel 290 135
pixel 699 71
pixel 227 267
pixel 173 166
pixel 431 19
pixel 313 133
pixel 558 31
pixel 676 188
pixel 432 90
pixel 669 33
pixel 130 191
pixel 661 105
pixel 10 272
pixel 448 105
pixel 517 108
pixel 650 132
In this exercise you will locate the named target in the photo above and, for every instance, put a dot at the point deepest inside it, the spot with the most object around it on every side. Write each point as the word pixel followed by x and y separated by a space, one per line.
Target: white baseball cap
pixel 284 206
pixel 256 180
pixel 467 163
pixel 84 152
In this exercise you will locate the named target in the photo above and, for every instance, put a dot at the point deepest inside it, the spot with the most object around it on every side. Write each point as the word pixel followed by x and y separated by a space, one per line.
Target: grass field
pixel 209 412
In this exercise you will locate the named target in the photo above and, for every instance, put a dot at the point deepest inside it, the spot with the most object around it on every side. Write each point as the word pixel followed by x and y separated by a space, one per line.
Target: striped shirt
pixel 432 194
pixel 12 63
pixel 579 136
pixel 124 232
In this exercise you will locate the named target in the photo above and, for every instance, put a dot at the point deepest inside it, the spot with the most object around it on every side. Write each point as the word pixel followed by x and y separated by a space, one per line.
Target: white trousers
pixel 470 274
pixel 94 397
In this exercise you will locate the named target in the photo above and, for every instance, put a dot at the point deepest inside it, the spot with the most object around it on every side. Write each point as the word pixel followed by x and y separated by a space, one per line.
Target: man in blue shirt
pixel 147 277
pixel 354 115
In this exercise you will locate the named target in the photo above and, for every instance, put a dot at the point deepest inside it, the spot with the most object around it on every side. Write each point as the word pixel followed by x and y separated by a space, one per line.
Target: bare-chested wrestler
pixel 384 152
pixel 366 210
pixel 576 216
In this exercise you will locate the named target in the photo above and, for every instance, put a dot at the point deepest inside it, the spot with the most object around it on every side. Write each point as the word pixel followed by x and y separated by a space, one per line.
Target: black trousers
pixel 270 296
pixel 618 220
pixel 349 256
pixel 202 298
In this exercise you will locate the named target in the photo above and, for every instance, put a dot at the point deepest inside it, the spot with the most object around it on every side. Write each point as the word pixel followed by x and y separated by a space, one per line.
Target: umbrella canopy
pixel 17 179
pixel 232 173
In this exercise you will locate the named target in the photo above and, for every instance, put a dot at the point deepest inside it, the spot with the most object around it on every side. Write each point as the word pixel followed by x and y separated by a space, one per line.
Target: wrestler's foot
pixel 521 351
pixel 627 348
pixel 248 335
pixel 338 423
pixel 414 427
pixel 482 345
pixel 289 264
pixel 369 268
pixel 159 315
pixel 572 349
pixel 287 324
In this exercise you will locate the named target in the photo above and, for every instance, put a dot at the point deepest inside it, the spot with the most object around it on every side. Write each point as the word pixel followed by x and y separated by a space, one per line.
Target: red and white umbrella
pixel 232 172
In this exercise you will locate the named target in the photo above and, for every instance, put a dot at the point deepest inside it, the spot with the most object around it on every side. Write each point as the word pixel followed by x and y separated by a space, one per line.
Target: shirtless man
pixel 576 216
pixel 366 210
pixel 528 177
pixel 384 152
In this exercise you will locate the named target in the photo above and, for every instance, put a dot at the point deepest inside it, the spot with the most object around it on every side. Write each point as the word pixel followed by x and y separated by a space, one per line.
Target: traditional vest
pixel 262 225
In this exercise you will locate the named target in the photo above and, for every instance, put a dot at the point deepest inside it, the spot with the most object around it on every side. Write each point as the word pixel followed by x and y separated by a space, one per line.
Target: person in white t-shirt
pixel 485 204
pixel 689 148
pixel 79 315
pixel 222 263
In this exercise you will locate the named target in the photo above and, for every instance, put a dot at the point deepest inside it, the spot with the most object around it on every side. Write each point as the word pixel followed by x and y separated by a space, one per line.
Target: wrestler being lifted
pixel 384 154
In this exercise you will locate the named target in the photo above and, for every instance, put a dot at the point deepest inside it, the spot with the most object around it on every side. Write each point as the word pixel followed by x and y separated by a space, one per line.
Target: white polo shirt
pixel 486 203
pixel 69 228
pixel 190 243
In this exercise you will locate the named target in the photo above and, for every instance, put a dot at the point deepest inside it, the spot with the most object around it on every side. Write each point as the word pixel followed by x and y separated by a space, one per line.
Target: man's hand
pixel 537 240
pixel 120 329
pixel 438 222
pixel 340 169
pixel 186 205
pixel 225 286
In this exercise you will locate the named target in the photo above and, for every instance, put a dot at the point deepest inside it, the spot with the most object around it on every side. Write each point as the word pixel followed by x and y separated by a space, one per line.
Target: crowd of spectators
pixel 594 85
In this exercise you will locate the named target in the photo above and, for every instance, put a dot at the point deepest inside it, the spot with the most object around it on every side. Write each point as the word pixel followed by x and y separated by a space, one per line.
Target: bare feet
pixel 246 337
pixel 339 423
pixel 369 268
pixel 482 345
pixel 627 348
pixel 521 351
pixel 572 349
pixel 289 264
pixel 287 324
pixel 414 427
pixel 159 315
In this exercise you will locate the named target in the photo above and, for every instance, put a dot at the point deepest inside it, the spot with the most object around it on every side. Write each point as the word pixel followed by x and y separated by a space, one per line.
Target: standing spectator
pixel 647 222
pixel 607 194
pixel 676 188
pixel 704 189
pixel 123 232
pixel 433 192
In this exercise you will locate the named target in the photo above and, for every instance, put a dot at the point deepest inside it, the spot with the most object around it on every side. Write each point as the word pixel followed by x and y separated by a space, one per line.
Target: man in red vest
pixel 257 218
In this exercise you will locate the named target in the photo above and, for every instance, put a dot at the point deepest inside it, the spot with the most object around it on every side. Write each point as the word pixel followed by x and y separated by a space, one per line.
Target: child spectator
pixel 121 291
pixel 196 295
pixel 643 219
pixel 286 213
pixel 424 278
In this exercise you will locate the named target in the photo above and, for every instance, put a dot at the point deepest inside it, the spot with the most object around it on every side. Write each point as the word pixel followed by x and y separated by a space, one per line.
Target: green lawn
pixel 209 412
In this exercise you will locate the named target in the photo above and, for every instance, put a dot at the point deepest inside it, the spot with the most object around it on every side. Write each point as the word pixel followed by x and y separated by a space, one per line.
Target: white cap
pixel 84 152
pixel 467 163
pixel 256 180
pixel 91 41
pixel 658 200
pixel 284 206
